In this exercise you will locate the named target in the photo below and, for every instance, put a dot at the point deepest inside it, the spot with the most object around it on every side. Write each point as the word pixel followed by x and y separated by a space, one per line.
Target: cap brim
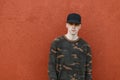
pixel 73 21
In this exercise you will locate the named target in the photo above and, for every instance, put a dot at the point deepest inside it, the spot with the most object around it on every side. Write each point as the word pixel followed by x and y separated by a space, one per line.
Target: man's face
pixel 73 28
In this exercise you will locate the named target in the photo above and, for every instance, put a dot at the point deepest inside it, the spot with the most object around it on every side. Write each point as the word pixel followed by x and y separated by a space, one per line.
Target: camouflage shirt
pixel 70 60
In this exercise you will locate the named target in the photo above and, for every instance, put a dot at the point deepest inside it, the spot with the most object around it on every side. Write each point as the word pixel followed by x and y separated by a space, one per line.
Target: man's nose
pixel 73 25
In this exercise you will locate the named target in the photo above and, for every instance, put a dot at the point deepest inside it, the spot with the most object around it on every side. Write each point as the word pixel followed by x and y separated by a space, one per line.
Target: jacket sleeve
pixel 52 62
pixel 88 72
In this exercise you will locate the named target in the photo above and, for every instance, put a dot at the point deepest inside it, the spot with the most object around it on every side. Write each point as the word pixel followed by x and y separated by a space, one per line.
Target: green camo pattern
pixel 70 60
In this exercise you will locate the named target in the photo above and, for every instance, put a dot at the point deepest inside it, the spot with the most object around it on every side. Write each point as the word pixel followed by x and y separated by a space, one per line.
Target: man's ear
pixel 80 26
pixel 66 25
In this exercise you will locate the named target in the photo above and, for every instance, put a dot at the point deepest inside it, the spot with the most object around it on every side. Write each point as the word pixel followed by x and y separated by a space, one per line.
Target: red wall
pixel 27 28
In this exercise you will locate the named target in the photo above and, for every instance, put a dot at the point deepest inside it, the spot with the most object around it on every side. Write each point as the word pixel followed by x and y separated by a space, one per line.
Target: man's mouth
pixel 73 30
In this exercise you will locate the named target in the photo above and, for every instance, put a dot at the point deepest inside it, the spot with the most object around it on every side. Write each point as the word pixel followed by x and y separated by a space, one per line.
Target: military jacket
pixel 69 60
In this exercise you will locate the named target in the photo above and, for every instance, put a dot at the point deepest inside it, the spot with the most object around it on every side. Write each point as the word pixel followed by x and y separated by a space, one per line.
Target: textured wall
pixel 27 28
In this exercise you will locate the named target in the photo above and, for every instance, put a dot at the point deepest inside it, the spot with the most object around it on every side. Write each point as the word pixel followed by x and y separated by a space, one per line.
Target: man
pixel 70 56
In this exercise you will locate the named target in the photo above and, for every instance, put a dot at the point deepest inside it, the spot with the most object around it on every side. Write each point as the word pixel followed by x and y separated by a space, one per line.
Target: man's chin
pixel 73 33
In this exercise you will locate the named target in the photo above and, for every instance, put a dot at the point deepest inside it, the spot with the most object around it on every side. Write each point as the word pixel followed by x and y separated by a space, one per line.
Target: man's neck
pixel 71 37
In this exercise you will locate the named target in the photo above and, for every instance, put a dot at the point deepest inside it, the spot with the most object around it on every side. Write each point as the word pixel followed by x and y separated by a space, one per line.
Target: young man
pixel 70 56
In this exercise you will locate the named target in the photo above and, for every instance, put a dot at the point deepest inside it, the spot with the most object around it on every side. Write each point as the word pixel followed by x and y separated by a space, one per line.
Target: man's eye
pixel 71 23
pixel 77 24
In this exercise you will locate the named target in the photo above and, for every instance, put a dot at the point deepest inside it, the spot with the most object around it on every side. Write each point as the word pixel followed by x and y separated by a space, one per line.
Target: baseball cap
pixel 74 18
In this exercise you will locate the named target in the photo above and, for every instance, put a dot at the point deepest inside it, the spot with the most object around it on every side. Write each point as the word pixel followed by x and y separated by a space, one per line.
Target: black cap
pixel 74 18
